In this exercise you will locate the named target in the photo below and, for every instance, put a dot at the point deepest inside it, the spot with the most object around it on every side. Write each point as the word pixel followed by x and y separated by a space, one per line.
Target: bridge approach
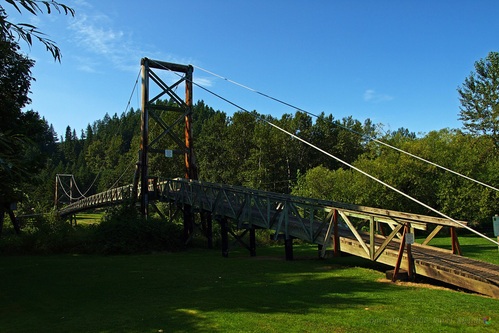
pixel 379 235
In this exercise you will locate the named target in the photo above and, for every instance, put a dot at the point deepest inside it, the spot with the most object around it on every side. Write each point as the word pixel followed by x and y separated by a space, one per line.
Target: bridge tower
pixel 150 112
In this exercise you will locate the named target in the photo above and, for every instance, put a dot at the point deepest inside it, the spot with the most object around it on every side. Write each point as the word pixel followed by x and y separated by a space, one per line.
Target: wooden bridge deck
pixel 436 263
pixel 311 220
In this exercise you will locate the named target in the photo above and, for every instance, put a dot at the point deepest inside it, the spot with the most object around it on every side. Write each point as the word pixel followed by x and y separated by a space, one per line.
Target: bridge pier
pixel 188 223
pixel 288 248
pixel 207 225
pixel 224 229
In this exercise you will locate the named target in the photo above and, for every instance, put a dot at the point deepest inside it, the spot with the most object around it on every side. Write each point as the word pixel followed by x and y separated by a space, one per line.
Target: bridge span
pixel 380 235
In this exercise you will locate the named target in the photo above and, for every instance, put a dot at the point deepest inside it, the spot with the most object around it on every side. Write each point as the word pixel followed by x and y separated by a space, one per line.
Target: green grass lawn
pixel 200 291
pixel 89 218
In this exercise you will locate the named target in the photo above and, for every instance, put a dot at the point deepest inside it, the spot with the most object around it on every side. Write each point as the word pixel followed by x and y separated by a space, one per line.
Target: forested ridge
pixel 242 149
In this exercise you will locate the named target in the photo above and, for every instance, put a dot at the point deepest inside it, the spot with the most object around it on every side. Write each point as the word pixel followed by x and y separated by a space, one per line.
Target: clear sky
pixel 398 63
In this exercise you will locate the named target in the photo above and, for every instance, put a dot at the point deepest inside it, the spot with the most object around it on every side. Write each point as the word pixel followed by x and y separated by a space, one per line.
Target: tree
pixel 479 97
pixel 24 136
pixel 27 32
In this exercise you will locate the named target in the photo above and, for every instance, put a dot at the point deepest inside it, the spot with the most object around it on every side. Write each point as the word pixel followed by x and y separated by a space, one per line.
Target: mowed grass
pixel 200 291
pixel 89 218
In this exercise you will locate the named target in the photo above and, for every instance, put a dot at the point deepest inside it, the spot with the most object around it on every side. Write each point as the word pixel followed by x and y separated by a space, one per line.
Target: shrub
pixel 122 231
pixel 125 231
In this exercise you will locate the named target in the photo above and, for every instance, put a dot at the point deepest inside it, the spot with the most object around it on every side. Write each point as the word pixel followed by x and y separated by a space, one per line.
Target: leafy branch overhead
pixel 28 32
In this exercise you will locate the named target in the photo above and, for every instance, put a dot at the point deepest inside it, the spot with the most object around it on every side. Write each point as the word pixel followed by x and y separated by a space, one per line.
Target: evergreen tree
pixel 479 97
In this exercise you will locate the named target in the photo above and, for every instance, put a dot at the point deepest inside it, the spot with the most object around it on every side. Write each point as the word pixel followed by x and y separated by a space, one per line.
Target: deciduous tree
pixel 28 32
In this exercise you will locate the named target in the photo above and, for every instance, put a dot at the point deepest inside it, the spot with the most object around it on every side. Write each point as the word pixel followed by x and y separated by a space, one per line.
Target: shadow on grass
pixel 187 292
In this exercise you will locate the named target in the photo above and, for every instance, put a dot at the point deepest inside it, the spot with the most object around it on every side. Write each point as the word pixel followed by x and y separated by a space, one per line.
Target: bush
pixel 122 231
pixel 125 231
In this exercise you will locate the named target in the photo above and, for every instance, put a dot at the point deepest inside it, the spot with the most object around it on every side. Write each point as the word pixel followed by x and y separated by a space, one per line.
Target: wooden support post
pixel 144 139
pixel 224 229
pixel 56 195
pixel 456 248
pixel 189 159
pixel 188 223
pixel 209 228
pixel 372 239
pixel 288 247
pixel 337 251
pixel 400 255
pixel 410 261
pixel 252 239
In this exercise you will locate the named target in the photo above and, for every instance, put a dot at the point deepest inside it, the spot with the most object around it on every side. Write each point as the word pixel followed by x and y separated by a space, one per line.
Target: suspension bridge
pixel 380 235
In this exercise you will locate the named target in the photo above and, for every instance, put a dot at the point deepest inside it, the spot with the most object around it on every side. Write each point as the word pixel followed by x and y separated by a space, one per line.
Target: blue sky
pixel 398 63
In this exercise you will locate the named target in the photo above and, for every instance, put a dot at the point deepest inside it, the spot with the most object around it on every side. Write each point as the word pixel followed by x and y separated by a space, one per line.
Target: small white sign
pixel 495 222
pixel 409 238
pixel 168 153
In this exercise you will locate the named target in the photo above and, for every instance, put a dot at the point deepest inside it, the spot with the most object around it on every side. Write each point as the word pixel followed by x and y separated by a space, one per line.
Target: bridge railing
pixel 305 218
pixel 110 197
pixel 312 220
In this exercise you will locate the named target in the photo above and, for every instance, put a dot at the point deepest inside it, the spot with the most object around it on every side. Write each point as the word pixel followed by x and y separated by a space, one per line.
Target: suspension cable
pixel 77 188
pixel 116 133
pixel 349 129
pixel 69 195
pixel 123 173
pixel 341 161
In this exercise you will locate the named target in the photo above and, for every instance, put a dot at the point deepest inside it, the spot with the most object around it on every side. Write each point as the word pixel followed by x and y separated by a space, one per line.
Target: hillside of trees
pixel 243 149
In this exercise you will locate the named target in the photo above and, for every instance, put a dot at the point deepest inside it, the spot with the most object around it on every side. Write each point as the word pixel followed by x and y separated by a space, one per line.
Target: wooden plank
pixel 387 220
pixel 463 281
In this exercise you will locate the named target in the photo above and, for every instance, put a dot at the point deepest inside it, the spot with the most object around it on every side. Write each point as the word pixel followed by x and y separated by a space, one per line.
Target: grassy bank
pixel 199 291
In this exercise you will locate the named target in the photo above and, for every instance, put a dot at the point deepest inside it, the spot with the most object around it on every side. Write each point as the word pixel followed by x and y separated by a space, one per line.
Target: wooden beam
pixel 387 241
pixel 355 233
pixel 432 234
pixel 456 248
pixel 327 237
pixel 400 255
pixel 372 243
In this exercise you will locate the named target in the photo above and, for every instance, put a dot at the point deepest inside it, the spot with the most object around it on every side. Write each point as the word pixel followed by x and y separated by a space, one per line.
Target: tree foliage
pixel 26 138
pixel 28 32
pixel 479 97
pixel 243 149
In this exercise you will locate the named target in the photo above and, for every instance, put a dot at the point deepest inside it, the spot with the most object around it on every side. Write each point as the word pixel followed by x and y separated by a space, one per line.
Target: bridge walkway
pixel 347 228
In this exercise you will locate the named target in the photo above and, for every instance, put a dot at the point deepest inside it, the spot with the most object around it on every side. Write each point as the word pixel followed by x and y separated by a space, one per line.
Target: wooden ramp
pixel 436 263
pixel 313 221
